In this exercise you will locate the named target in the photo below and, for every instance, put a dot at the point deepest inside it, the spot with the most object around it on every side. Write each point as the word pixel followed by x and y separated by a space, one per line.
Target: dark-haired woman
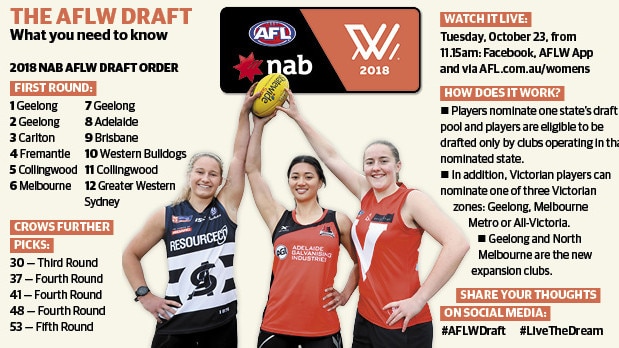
pixel 306 242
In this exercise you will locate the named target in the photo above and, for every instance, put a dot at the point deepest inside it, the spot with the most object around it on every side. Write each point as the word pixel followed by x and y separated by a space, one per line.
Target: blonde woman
pixel 198 229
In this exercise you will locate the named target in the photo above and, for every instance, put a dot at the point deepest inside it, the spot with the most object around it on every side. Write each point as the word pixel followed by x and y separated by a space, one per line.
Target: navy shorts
pixel 368 335
pixel 272 340
pixel 224 336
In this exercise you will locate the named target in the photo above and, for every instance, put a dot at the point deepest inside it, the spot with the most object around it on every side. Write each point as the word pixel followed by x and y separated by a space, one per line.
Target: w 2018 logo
pixel 372 42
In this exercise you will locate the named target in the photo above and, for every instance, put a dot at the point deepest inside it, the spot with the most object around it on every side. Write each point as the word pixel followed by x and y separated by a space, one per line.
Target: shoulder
pixel 285 214
pixel 284 218
pixel 156 222
pixel 416 204
pixel 159 215
pixel 343 221
pixel 416 199
pixel 420 209
pixel 175 206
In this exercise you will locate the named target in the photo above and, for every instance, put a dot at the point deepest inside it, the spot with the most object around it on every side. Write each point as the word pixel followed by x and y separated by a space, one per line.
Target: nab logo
pixel 272 33
pixel 301 66
pixel 372 42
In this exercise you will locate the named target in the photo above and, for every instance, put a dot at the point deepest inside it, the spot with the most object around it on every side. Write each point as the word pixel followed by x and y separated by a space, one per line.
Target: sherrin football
pixel 273 88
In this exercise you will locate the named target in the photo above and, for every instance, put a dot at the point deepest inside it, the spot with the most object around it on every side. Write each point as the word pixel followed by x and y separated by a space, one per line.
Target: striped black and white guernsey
pixel 200 249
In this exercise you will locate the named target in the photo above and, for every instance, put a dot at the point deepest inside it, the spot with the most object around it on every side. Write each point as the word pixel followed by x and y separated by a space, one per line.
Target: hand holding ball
pixel 273 88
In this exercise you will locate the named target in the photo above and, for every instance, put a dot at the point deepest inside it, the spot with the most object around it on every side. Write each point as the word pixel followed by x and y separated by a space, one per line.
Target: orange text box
pixel 528 295
pixel 62 227
pixel 495 313
pixel 486 19
pixel 32 245
pixel 53 88
pixel 502 93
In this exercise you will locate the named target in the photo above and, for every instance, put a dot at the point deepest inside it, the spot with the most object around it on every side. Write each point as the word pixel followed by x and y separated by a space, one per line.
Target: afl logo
pixel 272 33
pixel 281 251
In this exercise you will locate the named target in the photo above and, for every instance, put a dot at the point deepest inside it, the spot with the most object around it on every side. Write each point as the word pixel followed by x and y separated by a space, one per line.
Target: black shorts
pixel 272 340
pixel 224 336
pixel 368 335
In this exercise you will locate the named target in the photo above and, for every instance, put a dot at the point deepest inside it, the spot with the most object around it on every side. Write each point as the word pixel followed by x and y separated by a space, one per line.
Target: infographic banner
pixel 322 50
pixel 143 199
